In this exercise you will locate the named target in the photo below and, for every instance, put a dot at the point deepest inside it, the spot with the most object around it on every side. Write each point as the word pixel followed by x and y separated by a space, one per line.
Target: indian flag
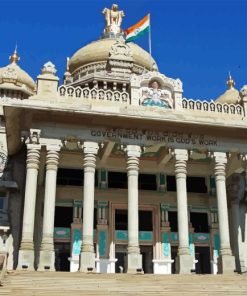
pixel 138 29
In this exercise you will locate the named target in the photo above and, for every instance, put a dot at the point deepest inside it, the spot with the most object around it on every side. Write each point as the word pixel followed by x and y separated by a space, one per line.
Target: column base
pixel 134 263
pixel 46 261
pixel 26 260
pixel 184 264
pixel 87 262
pixel 163 266
pixel 226 264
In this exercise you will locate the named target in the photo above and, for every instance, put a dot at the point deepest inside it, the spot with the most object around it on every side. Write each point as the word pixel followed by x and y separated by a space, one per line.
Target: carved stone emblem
pixel 113 19
pixel 155 96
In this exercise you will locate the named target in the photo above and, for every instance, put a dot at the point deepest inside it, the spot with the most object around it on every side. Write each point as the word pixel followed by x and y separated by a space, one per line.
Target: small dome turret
pixel 12 77
pixel 231 95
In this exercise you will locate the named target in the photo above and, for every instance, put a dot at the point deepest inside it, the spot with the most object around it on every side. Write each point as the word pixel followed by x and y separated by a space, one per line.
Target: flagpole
pixel 150 43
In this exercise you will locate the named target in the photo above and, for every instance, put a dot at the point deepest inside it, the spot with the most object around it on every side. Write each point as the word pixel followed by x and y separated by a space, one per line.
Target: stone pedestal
pixel 162 266
pixel 87 257
pixel 26 252
pixel 134 257
pixel 47 254
pixel 226 262
pixel 105 265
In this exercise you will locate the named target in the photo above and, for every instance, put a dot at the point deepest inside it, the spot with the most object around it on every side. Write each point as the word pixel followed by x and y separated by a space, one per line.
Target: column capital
pixel 180 154
pixel 90 147
pixel 219 157
pixel 133 150
pixel 33 136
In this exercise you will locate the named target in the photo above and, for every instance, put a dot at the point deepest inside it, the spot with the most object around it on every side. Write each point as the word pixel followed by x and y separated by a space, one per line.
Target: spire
pixel 230 82
pixel 14 58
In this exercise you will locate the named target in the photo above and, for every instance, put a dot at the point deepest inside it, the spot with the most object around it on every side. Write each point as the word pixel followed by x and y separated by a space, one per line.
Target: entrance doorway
pixel 62 254
pixel 202 254
pixel 174 253
pixel 147 257
pixel 121 256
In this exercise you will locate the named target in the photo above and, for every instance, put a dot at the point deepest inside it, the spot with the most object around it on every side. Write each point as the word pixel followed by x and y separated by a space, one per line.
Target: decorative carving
pixel 243 91
pixel 10 73
pixel 120 50
pixel 3 161
pixel 154 96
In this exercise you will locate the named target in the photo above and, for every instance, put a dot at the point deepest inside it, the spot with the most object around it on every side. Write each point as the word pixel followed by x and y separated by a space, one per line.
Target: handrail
pixel 4 267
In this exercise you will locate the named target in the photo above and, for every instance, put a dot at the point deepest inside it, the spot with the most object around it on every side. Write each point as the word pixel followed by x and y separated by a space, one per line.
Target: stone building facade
pixel 115 171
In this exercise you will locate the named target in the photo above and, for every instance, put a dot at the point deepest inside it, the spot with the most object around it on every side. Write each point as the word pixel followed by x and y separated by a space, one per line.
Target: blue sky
pixel 197 41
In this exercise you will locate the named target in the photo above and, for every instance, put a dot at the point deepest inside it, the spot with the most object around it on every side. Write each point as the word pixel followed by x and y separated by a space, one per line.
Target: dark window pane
pixel 196 184
pixel 199 222
pixel 171 183
pixel 117 180
pixel 173 219
pixel 147 182
pixel 70 177
pixel 121 220
pixel 145 221
pixel 63 216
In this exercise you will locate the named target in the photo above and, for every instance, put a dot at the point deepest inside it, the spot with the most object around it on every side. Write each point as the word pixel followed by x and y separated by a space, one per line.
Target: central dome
pixel 99 51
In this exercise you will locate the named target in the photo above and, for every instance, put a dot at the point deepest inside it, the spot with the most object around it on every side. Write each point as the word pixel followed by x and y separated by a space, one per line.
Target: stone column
pixel 26 252
pixel 47 254
pixel 87 257
pixel 184 262
pixel 133 153
pixel 226 262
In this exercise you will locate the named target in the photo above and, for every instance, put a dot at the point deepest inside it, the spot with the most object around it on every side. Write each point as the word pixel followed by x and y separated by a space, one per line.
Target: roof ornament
pixel 14 58
pixel 230 82
pixel 113 21
pixel 49 68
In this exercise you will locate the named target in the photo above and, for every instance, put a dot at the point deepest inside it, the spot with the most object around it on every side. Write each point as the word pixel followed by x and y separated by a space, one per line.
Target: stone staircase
pixel 63 283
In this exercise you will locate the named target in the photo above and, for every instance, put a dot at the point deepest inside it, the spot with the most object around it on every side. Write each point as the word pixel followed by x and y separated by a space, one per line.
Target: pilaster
pixel 184 262
pixel 47 255
pixel 87 257
pixel 133 153
pixel 226 262
pixel 26 252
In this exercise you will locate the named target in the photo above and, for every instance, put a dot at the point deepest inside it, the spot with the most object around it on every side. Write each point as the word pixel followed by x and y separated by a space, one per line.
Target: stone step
pixel 54 283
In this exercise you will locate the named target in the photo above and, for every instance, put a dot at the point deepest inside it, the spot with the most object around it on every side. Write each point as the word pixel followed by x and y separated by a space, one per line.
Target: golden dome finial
pixel 14 58
pixel 230 82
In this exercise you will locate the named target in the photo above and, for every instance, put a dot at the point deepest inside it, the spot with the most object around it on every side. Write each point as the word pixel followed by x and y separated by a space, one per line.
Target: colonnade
pixel 184 261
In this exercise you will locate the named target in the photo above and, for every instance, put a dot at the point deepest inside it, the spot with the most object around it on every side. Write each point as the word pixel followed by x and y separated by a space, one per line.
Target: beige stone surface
pixel 98 51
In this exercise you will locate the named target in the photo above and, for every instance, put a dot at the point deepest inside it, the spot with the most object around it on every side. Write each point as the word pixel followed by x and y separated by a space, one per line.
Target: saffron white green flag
pixel 138 29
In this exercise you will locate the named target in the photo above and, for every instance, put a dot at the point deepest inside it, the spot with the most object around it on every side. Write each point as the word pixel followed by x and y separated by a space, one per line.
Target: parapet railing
pixel 213 107
pixel 94 94
pixel 4 267
pixel 124 97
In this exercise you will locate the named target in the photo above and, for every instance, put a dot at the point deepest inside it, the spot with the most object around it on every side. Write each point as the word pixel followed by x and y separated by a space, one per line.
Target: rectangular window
pixel 72 177
pixel 194 184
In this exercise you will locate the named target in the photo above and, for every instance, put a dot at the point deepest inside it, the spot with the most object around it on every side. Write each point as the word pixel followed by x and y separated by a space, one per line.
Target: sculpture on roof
pixel 113 20
pixel 155 96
